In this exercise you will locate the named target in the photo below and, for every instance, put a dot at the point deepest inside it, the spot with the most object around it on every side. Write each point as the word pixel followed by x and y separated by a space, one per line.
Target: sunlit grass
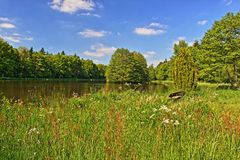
pixel 203 125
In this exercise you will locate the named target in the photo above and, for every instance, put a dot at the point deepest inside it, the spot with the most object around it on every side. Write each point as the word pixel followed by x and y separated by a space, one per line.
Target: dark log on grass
pixel 177 95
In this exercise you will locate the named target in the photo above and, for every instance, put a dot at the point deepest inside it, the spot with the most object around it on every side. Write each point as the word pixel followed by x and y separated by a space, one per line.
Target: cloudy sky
pixel 93 29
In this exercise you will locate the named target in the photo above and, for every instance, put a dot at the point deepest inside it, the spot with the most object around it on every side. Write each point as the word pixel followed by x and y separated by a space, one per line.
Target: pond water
pixel 28 89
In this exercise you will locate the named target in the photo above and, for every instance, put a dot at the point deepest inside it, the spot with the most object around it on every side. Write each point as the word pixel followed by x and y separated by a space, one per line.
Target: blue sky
pixel 93 29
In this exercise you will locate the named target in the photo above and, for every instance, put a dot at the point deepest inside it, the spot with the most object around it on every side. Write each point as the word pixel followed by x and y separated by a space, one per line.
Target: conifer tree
pixel 184 70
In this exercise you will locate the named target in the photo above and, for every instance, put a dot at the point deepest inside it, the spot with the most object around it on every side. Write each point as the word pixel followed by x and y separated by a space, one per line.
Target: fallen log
pixel 177 95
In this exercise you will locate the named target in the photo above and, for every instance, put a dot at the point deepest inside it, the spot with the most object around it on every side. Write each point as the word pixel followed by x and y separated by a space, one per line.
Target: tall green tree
pixel 9 60
pixel 221 50
pixel 126 66
pixel 178 46
pixel 163 70
pixel 184 70
pixel 152 73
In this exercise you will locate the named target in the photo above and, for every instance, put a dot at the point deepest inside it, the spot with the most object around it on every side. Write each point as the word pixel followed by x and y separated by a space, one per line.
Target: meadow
pixel 204 124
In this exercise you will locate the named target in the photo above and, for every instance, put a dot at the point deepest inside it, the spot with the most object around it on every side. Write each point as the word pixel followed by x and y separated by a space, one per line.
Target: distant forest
pixel 27 63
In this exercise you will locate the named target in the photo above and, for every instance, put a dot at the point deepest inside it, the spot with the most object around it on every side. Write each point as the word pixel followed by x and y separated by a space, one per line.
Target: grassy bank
pixel 203 125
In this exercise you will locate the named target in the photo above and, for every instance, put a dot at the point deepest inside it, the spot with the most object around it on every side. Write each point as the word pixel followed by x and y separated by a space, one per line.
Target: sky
pixel 94 29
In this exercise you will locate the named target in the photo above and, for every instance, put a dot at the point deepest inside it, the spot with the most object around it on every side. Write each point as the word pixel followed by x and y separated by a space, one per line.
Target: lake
pixel 29 89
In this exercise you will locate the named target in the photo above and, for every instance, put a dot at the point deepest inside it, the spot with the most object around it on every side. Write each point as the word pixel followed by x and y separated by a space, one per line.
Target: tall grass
pixel 129 125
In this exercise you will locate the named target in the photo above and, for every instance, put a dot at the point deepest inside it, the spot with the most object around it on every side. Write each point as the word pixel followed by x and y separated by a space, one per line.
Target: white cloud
pixel 155 62
pixel 72 6
pixel 89 33
pixel 152 29
pixel 7 25
pixel 228 2
pixel 148 31
pixel 158 25
pixel 28 38
pixel 99 50
pixel 149 54
pixel 90 14
pixel 179 39
pixel 5 19
pixel 11 39
pixel 16 34
pixel 202 22
pixel 16 38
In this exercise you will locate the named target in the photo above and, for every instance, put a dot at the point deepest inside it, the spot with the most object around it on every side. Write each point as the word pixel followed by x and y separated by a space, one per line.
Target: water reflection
pixel 26 89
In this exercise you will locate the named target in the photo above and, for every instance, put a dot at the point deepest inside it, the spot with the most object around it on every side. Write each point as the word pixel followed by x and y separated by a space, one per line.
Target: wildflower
pixel 166 121
pixel 165 108
pixel 174 113
pixel 155 110
pixel 152 116
pixel 32 130
pixel 176 123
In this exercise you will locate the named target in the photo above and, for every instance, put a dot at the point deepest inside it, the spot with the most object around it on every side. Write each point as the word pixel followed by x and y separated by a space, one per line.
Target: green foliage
pixel 184 70
pixel 163 70
pixel 25 63
pixel 9 60
pixel 152 73
pixel 177 46
pixel 220 50
pixel 102 70
pixel 127 66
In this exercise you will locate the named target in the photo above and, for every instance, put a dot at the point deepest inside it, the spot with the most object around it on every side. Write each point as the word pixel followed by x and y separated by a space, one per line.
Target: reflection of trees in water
pixel 35 90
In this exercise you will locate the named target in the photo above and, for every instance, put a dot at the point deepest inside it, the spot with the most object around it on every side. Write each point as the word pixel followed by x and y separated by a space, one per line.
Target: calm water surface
pixel 27 89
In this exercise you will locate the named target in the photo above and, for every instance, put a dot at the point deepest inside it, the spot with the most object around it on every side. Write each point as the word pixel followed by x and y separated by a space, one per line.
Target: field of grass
pixel 205 124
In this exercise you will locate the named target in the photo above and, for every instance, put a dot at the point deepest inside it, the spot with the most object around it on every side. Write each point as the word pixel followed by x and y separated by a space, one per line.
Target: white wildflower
pixel 165 108
pixel 176 123
pixel 155 110
pixel 174 113
pixel 165 121
pixel 33 130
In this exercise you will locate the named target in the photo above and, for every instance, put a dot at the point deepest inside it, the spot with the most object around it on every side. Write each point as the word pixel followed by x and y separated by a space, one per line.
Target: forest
pixel 216 59
pixel 27 63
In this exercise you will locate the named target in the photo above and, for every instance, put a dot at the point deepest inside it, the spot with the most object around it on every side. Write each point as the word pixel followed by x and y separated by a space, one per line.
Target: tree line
pixel 216 56
pixel 27 63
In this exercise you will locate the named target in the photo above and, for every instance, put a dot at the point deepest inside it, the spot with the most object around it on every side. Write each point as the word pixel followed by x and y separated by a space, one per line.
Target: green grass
pixel 205 124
